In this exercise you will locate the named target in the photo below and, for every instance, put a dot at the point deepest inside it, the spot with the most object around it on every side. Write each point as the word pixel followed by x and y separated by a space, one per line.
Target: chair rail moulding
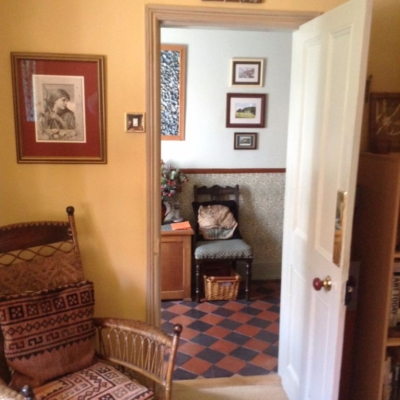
pixel 185 16
pixel 234 170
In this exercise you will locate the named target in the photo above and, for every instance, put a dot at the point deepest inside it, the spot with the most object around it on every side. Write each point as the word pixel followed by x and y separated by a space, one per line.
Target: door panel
pixel 327 88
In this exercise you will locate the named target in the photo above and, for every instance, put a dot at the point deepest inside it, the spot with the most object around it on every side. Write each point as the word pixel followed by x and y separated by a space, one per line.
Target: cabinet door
pixel 175 267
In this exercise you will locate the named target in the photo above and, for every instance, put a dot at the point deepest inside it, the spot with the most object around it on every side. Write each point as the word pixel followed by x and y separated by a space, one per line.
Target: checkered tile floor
pixel 221 339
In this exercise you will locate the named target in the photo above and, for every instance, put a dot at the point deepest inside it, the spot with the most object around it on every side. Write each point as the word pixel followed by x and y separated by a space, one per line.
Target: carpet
pixel 235 388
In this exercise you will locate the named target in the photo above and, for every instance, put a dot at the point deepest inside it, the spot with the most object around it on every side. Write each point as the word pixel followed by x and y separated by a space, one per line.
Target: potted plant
pixel 172 180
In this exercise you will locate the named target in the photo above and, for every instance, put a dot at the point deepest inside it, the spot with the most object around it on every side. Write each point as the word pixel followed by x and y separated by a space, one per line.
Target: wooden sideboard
pixel 176 256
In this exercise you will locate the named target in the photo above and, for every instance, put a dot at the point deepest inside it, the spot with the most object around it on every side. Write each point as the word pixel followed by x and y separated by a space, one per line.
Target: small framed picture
pixel 245 141
pixel 245 110
pixel 247 72
pixel 135 122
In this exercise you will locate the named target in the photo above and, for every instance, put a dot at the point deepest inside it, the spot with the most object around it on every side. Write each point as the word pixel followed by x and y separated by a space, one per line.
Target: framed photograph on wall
pixel 245 110
pixel 247 72
pixel 135 122
pixel 384 122
pixel 173 91
pixel 59 106
pixel 245 141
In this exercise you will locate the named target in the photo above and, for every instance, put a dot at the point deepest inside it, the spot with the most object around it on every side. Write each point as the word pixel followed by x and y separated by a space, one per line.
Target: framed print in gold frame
pixel 59 108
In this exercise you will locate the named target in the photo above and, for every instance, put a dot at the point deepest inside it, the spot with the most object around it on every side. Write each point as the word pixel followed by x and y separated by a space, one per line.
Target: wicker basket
pixel 222 287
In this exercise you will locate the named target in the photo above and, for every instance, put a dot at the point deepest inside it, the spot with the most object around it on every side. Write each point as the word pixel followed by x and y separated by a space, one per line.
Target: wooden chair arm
pixel 141 348
pixel 9 394
pixel 137 327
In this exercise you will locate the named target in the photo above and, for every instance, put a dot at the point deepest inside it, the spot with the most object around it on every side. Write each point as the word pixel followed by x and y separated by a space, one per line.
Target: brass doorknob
pixel 326 283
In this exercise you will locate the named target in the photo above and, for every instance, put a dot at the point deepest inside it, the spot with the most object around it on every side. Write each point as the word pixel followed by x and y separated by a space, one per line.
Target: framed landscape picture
pixel 247 72
pixel 59 107
pixel 245 110
pixel 245 141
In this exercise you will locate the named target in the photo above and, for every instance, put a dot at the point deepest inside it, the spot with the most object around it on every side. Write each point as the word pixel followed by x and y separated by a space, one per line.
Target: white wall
pixel 208 143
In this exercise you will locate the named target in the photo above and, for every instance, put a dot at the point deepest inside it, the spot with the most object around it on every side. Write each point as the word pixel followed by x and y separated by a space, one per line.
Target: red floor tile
pixel 191 348
pixel 241 317
pixel 224 346
pixel 255 344
pixel 265 361
pixel 231 364
pixel 217 332
pixel 261 305
pixel 183 320
pixel 248 330
pixel 207 307
pixel 268 315
pixel 212 319
pixel 179 308
pixel 234 306
pixel 196 366
pixel 188 333
pixel 274 328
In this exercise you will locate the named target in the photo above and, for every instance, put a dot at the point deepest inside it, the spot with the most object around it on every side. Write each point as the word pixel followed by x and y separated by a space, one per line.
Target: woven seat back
pixel 36 256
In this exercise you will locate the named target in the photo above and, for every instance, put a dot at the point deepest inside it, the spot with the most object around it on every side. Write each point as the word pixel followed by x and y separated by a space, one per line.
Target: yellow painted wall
pixel 110 199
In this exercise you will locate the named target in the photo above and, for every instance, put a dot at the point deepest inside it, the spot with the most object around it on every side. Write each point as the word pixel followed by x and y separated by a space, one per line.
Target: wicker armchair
pixel 40 266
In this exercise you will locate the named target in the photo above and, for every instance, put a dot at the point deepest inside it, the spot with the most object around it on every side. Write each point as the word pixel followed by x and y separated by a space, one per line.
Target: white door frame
pixel 157 16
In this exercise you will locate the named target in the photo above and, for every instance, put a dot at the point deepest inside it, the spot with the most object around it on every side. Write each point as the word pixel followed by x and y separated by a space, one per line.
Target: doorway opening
pixel 157 17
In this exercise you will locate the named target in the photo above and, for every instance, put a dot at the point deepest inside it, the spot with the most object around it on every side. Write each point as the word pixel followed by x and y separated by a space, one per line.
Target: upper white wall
pixel 208 143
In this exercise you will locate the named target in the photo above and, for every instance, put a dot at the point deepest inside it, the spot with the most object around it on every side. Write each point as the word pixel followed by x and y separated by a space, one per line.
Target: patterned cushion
pixel 231 204
pixel 222 249
pixel 41 273
pixel 216 222
pixel 48 333
pixel 100 381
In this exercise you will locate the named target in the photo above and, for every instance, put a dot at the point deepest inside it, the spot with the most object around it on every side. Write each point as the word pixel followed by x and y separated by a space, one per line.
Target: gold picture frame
pixel 59 107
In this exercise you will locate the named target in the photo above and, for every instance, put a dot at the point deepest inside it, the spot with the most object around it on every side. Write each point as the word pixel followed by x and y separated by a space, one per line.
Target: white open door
pixel 327 89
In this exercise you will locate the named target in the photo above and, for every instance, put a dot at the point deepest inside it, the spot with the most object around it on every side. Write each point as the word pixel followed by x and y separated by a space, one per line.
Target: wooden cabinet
pixel 176 249
pixel 375 234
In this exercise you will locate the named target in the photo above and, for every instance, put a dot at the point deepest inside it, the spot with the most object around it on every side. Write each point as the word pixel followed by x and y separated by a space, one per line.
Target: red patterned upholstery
pixel 99 382
pixel 48 333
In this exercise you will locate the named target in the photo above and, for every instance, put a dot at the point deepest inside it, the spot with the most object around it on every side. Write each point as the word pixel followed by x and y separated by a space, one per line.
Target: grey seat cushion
pixel 222 249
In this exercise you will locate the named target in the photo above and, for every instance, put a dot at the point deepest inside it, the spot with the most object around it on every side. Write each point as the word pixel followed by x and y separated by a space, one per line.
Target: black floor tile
pixel 251 311
pixel 229 324
pixel 210 355
pixel 167 315
pixel 181 358
pixel 196 314
pixel 272 351
pixel 267 292
pixel 267 337
pixel 204 340
pixel 181 374
pixel 216 372
pixel 244 354
pixel 199 326
pixel 223 312
pixel 253 370
pixel 237 338
pixel 258 322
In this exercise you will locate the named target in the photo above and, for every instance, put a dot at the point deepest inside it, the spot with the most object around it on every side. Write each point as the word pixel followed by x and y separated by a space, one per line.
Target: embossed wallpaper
pixel 261 207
